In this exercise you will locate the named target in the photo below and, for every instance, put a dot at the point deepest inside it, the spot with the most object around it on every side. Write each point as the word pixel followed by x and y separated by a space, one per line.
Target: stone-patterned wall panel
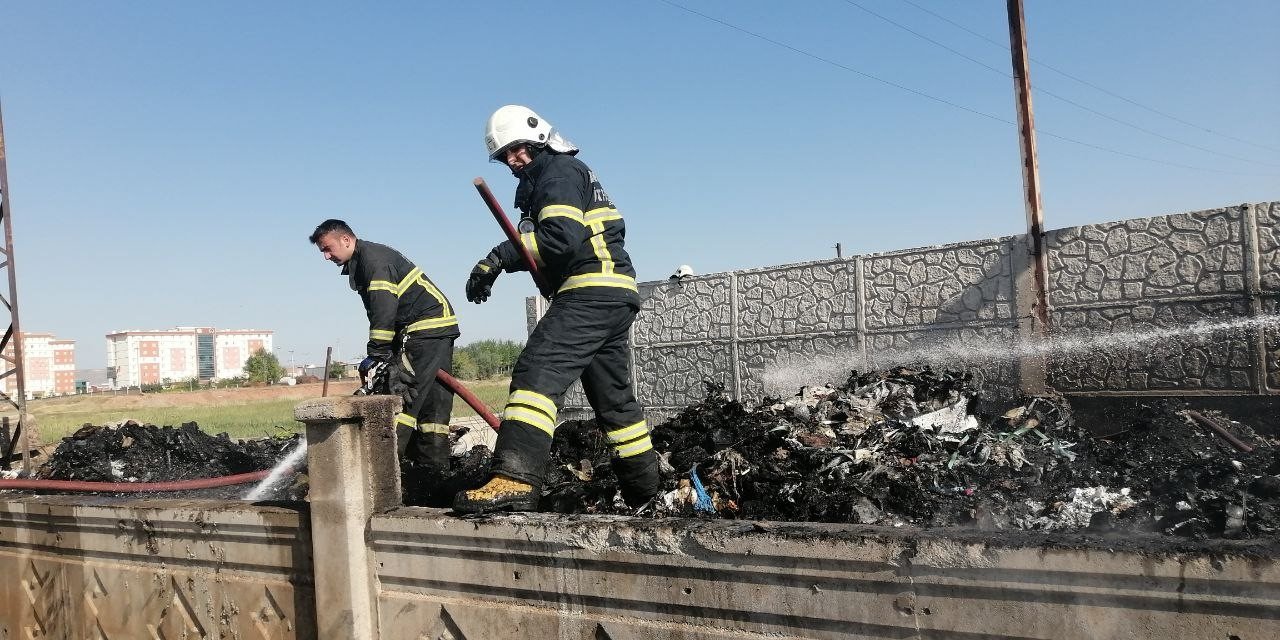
pixel 1271 307
pixel 957 283
pixel 672 376
pixel 985 352
pixel 807 298
pixel 1268 215
pixel 1197 253
pixel 575 398
pixel 779 367
pixel 1152 346
pixel 693 309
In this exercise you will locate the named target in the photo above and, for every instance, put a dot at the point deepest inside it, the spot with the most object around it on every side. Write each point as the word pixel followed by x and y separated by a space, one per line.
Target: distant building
pixel 92 380
pixel 151 357
pixel 49 365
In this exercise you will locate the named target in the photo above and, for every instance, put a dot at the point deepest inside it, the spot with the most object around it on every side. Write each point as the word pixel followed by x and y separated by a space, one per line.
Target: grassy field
pixel 242 413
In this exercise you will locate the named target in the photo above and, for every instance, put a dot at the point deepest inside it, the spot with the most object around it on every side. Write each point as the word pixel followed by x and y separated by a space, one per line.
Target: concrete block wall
pixel 89 568
pixel 768 330
pixel 601 578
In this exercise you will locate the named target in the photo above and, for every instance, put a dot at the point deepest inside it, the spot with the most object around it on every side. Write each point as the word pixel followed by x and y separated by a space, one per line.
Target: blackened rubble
pixel 133 452
pixel 918 447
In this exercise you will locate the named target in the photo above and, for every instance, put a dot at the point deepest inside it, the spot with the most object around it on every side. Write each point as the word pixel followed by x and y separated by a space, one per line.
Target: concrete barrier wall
pixel 591 578
pixel 76 568
pixel 767 330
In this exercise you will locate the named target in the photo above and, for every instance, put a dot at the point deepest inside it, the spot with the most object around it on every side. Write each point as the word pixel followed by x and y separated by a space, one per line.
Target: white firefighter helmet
pixel 684 271
pixel 514 124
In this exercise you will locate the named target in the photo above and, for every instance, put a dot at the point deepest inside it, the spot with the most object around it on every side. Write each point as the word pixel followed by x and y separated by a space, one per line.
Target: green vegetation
pixel 263 367
pixel 486 359
pixel 337 370
pixel 240 413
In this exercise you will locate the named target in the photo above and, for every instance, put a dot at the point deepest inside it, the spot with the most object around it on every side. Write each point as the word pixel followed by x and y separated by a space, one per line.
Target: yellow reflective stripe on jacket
pixel 635 448
pixel 381 335
pixel 432 323
pixel 530 242
pixel 595 219
pixel 561 211
pixel 406 420
pixel 407 281
pixel 617 280
pixel 383 285
pixel 603 214
pixel 627 433
pixel 531 417
pixel 435 293
pixel 433 427
pixel 535 400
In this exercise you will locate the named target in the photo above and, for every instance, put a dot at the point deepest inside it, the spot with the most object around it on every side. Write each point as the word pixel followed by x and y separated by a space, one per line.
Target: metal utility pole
pixel 1032 280
pixel 12 368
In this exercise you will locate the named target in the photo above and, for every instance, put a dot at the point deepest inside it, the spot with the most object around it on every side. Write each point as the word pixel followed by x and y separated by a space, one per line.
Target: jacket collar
pixel 355 255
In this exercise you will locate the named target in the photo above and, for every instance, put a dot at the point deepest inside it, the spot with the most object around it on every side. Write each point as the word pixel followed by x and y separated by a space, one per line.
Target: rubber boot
pixel 638 478
pixel 499 494
pixel 429 450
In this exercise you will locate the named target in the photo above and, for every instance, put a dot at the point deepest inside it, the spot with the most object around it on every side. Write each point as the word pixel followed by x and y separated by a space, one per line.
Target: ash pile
pixel 916 447
pixel 134 452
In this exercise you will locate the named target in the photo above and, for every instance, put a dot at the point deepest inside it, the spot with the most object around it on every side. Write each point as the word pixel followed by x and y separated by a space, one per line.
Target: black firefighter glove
pixel 485 273
pixel 374 375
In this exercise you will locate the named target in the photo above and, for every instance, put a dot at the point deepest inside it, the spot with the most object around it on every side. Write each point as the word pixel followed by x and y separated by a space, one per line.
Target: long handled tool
pixel 512 235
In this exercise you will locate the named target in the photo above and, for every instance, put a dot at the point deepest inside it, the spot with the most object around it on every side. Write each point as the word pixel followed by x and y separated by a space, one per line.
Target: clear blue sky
pixel 168 160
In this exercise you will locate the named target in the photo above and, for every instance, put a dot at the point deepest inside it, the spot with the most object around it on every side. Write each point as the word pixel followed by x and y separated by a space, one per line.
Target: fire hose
pixel 133 487
pixel 449 381
pixel 472 401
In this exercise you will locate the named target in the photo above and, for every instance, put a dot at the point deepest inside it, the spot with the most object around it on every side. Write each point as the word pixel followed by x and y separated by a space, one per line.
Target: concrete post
pixel 353 473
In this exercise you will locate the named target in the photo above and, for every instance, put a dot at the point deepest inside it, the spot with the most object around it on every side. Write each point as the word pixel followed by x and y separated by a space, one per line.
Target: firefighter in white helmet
pixel 575 234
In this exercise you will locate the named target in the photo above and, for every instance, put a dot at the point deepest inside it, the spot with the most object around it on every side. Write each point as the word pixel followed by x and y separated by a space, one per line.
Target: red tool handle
pixel 512 235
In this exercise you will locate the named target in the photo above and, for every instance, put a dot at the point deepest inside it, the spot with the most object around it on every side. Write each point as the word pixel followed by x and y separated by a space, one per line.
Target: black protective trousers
pixel 585 339
pixel 427 404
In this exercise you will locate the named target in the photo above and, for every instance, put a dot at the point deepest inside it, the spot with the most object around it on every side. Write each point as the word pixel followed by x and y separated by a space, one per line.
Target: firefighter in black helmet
pixel 575 234
pixel 412 327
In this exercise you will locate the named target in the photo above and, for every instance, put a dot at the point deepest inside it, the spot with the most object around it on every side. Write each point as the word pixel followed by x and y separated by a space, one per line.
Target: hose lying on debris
pixel 133 487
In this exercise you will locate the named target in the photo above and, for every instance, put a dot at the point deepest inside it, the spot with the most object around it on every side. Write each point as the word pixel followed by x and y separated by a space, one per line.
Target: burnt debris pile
pixel 133 452
pixel 917 447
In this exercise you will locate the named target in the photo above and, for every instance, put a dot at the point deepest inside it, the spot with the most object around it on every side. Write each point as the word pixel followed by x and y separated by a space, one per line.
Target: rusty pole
pixel 328 357
pixel 1032 367
pixel 21 436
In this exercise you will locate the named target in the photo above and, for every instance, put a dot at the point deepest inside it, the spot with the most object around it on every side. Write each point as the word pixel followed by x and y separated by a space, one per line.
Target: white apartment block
pixel 49 366
pixel 151 357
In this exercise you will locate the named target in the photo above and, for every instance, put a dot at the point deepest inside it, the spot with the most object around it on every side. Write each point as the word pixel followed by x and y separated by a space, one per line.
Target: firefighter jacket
pixel 398 297
pixel 573 231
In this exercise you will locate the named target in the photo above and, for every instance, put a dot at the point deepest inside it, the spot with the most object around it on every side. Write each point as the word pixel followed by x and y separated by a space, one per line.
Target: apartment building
pixel 151 357
pixel 49 365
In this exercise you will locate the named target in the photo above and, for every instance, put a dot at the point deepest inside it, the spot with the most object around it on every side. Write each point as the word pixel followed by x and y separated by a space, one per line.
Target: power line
pixel 934 98
pixel 1094 86
pixel 1051 94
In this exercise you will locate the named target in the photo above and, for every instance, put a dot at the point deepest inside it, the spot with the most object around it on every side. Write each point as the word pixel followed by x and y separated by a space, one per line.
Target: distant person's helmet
pixel 514 124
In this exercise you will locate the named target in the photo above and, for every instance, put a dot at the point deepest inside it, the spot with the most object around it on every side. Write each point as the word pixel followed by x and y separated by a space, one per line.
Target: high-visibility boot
pixel 499 494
